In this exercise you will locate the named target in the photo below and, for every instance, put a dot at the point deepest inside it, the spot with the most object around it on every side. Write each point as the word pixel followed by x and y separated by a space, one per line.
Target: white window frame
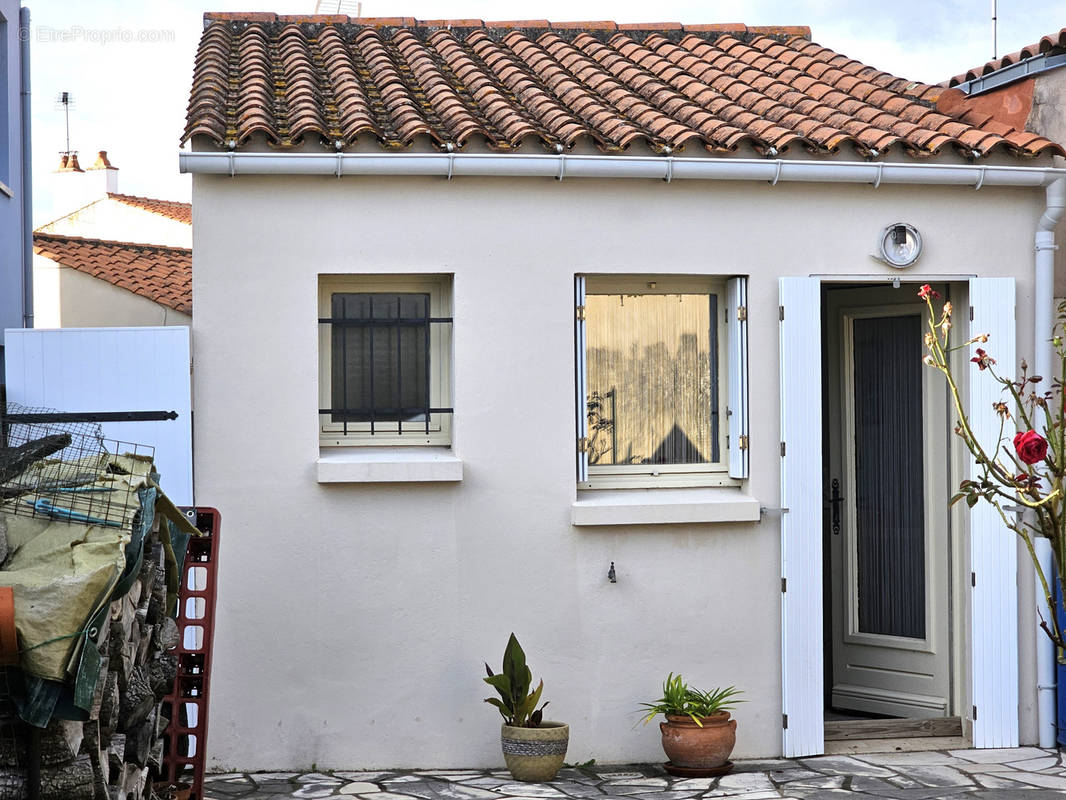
pixel 439 289
pixel 732 356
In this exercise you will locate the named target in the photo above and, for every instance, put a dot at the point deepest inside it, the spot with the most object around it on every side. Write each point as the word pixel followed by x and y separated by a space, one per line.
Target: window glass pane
pixel 889 476
pixel 652 378
pixel 380 370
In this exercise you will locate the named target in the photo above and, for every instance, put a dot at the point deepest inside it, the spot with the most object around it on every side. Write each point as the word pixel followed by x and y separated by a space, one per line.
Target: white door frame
pixel 992 634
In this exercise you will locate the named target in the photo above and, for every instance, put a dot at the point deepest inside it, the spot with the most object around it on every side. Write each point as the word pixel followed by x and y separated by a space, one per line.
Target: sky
pixel 128 63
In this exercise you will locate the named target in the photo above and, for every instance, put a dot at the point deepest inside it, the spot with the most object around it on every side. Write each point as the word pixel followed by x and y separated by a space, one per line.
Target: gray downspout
pixel 1043 321
pixel 27 171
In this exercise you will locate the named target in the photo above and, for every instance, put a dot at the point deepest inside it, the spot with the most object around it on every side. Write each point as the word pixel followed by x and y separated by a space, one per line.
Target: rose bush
pixel 1032 476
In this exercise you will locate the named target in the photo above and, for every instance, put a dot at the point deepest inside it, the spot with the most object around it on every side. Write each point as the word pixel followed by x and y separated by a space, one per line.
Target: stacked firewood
pixel 117 754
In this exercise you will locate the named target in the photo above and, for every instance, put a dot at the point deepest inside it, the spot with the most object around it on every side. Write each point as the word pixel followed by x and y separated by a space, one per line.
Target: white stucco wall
pixel 66 298
pixel 107 218
pixel 352 619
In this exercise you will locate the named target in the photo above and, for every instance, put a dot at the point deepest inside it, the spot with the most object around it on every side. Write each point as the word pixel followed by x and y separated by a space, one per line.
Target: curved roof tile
pixel 332 79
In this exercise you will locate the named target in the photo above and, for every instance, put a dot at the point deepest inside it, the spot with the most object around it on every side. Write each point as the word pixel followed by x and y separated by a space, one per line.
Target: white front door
pixel 888 487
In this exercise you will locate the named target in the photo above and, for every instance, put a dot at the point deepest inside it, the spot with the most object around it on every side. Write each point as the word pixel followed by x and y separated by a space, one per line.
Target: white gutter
pixel 668 168
pixel 1043 321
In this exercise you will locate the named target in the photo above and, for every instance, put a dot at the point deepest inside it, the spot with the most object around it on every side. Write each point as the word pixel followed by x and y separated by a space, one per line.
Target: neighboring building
pixel 511 302
pixel 15 198
pixel 1026 90
pixel 115 259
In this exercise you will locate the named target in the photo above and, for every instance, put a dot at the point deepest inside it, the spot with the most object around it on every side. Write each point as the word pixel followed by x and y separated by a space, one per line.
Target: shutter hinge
pixel 975 713
pixel 781 313
pixel 583 444
pixel 742 441
pixel 580 311
pixel 782 449
pixel 742 313
pixel 784 585
pixel 971 313
pixel 973 579
pixel 784 721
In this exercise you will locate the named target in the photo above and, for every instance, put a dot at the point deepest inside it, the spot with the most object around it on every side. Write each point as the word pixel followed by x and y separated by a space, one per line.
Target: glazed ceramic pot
pixel 535 754
pixel 689 745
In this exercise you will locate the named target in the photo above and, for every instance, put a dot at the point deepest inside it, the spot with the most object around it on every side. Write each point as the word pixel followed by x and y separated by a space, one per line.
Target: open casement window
pixel 384 359
pixel 655 358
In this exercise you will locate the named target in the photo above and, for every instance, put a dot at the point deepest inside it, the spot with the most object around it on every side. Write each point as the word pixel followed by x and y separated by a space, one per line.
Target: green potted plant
pixel 698 735
pixel 534 748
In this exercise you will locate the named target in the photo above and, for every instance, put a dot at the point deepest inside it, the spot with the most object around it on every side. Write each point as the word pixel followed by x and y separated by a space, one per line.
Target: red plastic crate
pixel 186 735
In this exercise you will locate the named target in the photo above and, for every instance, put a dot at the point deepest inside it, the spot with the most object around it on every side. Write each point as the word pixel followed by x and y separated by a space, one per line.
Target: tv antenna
pixel 995 43
pixel 66 100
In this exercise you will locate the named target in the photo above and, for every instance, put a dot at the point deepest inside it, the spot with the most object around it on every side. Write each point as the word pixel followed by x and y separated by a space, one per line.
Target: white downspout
pixel 1043 320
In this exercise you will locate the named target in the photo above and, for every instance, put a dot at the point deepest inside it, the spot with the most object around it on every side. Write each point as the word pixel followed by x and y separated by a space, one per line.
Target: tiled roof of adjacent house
pixel 172 209
pixel 333 80
pixel 161 274
pixel 1053 42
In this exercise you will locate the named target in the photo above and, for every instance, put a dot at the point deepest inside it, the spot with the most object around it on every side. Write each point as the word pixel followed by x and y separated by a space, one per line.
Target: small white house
pixel 484 310
pixel 110 259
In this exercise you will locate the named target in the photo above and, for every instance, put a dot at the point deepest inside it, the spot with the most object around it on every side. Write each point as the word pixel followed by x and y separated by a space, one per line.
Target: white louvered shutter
pixel 993 557
pixel 737 358
pixel 581 380
pixel 801 524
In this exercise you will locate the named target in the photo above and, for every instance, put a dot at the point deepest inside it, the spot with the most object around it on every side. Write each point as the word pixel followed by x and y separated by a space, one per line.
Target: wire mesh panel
pixel 68 470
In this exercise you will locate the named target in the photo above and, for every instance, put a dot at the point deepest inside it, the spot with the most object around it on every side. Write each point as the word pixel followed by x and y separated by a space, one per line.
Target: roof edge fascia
pixel 667 168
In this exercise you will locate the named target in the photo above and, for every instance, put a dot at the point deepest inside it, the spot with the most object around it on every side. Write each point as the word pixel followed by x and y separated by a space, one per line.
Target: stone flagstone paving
pixel 1015 774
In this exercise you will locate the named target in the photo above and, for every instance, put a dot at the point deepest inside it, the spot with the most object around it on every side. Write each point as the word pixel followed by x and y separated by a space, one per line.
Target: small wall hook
pixel 611 576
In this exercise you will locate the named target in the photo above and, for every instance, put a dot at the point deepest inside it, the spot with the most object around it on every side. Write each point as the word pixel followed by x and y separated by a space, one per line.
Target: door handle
pixel 835 499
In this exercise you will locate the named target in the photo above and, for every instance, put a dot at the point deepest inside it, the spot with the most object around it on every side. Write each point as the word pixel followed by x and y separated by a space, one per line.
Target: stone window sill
pixel 663 506
pixel 388 465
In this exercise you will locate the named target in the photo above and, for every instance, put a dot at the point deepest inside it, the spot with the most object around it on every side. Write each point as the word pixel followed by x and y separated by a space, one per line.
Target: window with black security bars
pixel 381 362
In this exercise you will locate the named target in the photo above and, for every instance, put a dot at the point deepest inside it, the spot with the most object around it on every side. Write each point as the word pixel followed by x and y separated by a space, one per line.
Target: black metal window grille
pixel 381 362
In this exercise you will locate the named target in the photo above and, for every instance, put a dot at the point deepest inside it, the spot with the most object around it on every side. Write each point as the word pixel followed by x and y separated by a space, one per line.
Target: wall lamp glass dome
pixel 900 245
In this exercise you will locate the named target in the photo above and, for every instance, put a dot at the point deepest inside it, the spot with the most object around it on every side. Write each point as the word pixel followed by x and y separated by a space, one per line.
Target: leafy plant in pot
pixel 698 735
pixel 534 748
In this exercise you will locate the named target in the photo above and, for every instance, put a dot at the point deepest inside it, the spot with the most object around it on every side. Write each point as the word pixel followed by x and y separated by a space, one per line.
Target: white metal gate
pixel 113 369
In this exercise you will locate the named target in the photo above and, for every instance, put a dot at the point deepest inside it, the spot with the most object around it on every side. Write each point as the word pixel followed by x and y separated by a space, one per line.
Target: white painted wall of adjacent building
pixel 63 297
pixel 353 618
pixel 111 219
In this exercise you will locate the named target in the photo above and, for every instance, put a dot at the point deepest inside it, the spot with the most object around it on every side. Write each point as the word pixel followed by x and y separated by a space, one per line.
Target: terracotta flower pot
pixel 688 745
pixel 535 754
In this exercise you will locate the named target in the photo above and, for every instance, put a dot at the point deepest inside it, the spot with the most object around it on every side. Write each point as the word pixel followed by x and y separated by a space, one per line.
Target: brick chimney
pixel 110 172
pixel 68 162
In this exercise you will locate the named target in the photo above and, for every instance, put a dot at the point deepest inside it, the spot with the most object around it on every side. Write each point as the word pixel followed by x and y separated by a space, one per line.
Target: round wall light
pixel 900 245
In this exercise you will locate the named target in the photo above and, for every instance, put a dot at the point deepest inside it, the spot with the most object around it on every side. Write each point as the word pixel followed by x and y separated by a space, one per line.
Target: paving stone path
pixel 1015 774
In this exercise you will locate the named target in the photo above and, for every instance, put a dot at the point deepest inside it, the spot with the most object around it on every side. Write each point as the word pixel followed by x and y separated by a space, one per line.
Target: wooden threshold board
pixel 838 730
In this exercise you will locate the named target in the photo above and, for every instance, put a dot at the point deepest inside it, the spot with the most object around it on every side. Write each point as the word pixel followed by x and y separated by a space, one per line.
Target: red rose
pixel 1031 447
pixel 927 291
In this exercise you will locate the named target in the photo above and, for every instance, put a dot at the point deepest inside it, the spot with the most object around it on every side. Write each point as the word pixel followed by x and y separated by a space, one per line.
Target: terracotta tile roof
pixel 330 80
pixel 161 274
pixel 1053 42
pixel 172 209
